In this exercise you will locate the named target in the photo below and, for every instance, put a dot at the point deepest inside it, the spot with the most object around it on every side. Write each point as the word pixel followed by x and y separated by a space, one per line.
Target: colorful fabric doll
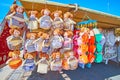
pixel 29 64
pixel 43 64
pixel 68 22
pixel 39 41
pixel 33 20
pixel 30 44
pixel 46 43
pixel 16 18
pixel 57 22
pixel 15 41
pixel 68 40
pixel 56 63
pixel 15 61
pixel 72 61
pixel 65 64
pixel 56 40
pixel 45 21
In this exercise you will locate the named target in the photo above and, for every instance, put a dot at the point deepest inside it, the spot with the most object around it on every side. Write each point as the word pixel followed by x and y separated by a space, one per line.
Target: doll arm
pixel 8 60
pixel 9 38
pixel 10 15
pixel 19 19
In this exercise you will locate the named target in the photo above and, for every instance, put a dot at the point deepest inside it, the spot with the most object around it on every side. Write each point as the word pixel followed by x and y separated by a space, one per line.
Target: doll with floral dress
pixel 68 22
pixel 45 21
pixel 33 20
pixel 56 40
pixel 67 45
pixel 16 17
pixel 57 21
pixel 15 41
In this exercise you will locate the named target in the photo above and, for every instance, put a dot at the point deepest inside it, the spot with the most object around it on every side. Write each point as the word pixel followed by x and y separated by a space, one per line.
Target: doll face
pixel 46 12
pixel 30 57
pixel 32 36
pixel 55 33
pixel 14 56
pixel 65 34
pixel 16 33
pixel 56 14
pixel 19 9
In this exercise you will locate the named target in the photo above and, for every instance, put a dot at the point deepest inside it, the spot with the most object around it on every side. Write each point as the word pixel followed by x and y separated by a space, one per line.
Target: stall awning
pixel 104 20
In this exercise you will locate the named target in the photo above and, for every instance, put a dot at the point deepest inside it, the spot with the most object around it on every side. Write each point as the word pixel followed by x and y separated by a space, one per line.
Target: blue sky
pixel 108 6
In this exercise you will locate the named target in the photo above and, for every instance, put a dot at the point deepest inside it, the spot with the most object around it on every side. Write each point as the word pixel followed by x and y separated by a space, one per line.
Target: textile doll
pixel 57 22
pixel 56 63
pixel 29 64
pixel 33 20
pixel 45 21
pixel 39 41
pixel 43 64
pixel 68 22
pixel 68 40
pixel 65 64
pixel 56 39
pixel 72 60
pixel 16 18
pixel 30 42
pixel 46 43
pixel 15 41
pixel 14 61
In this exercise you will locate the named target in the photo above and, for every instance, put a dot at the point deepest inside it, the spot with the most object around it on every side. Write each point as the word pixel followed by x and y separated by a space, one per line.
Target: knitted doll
pixel 56 63
pixel 33 20
pixel 16 18
pixel 56 39
pixel 29 64
pixel 30 44
pixel 15 41
pixel 45 21
pixel 68 40
pixel 57 22
pixel 43 64
pixel 15 61
pixel 68 22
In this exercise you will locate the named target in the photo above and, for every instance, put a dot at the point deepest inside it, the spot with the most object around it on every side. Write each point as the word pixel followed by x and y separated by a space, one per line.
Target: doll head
pixel 68 15
pixel 56 54
pixel 44 35
pixel 31 35
pixel 29 55
pixel 16 32
pixel 66 54
pixel 32 13
pixel 45 12
pixel 57 13
pixel 14 54
pixel 44 55
pixel 68 33
pixel 39 34
pixel 20 9
pixel 57 31
pixel 13 8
